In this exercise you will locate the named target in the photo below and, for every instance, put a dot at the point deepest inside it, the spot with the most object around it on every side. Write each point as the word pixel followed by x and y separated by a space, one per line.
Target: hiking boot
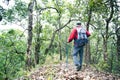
pixel 78 68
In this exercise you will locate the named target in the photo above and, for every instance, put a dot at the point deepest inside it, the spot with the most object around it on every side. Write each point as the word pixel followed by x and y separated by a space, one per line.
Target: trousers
pixel 78 55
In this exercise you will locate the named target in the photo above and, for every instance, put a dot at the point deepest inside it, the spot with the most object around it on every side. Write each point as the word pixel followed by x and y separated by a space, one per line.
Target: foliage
pixel 51 15
pixel 16 13
pixel 12 53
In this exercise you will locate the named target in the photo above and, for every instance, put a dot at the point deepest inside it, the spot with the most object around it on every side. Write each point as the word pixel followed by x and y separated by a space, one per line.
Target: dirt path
pixel 63 72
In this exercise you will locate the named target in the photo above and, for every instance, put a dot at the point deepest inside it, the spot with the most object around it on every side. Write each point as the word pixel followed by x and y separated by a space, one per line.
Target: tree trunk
pixel 37 44
pixel 37 41
pixel 105 39
pixel 29 43
pixel 118 44
pixel 60 51
pixel 87 53
pixel 87 48
pixel 105 49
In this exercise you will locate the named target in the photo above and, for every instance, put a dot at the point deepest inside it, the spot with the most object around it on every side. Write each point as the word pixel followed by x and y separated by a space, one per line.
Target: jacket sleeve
pixel 72 35
pixel 88 33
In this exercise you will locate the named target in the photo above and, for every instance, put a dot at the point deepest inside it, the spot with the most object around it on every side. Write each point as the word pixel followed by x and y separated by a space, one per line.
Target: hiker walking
pixel 80 37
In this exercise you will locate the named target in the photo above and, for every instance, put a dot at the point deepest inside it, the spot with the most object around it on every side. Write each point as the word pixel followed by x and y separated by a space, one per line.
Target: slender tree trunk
pixel 117 31
pixel 95 58
pixel 87 53
pixel 118 44
pixel 37 40
pixel 118 48
pixel 37 45
pixel 105 49
pixel 60 51
pixel 29 43
pixel 87 47
pixel 59 35
pixel 105 39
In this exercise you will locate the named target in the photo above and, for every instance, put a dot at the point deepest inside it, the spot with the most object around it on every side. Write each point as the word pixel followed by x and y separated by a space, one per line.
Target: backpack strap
pixel 78 32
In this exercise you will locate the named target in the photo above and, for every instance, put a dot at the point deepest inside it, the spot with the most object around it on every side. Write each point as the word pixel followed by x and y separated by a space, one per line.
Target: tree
pixel 106 36
pixel 29 43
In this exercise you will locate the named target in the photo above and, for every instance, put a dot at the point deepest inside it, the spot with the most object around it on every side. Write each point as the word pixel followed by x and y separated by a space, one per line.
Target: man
pixel 79 49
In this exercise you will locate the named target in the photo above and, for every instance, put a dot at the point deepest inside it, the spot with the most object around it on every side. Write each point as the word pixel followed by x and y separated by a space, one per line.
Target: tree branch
pixel 54 33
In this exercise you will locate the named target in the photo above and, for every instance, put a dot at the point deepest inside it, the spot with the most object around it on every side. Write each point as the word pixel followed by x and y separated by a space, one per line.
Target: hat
pixel 78 23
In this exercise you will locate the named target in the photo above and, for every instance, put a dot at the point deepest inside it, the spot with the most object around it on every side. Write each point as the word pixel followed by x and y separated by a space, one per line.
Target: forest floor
pixel 62 71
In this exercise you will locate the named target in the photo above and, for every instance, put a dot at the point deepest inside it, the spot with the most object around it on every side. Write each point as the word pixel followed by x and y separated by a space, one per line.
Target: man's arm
pixel 72 35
